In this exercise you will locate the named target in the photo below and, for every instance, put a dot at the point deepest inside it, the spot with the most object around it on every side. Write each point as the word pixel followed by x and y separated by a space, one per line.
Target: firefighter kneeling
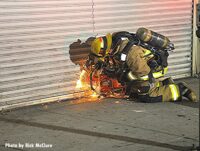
pixel 139 62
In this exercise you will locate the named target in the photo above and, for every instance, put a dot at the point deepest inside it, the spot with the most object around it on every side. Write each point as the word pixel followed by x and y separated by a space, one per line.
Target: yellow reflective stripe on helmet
pixel 174 92
pixel 102 43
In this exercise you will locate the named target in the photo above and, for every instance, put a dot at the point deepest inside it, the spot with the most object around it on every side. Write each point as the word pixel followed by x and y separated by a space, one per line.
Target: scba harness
pixel 159 55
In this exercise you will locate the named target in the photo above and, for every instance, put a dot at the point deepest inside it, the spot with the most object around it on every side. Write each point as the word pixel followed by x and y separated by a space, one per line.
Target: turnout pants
pixel 161 91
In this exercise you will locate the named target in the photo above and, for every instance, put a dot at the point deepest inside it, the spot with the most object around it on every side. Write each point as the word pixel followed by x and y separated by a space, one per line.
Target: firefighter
pixel 138 68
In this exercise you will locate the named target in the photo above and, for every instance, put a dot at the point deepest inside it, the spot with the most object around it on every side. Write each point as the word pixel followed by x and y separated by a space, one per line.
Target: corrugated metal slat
pixel 34 47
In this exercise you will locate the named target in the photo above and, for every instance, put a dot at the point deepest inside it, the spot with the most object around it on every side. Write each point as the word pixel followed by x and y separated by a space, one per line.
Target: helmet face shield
pixel 101 45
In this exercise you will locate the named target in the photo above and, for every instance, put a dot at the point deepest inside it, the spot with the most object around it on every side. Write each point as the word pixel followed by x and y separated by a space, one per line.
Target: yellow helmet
pixel 101 45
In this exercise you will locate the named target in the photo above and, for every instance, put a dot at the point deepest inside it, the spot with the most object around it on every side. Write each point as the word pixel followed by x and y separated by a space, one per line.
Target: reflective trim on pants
pixel 174 91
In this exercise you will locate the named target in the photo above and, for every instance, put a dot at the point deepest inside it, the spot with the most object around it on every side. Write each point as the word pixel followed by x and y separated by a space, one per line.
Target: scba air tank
pixel 152 38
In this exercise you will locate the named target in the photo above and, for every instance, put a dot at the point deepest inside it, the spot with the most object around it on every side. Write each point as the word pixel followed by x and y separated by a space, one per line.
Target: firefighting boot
pixel 187 92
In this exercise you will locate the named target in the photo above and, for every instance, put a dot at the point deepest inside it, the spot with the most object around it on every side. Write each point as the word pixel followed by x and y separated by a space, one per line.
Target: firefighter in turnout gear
pixel 139 61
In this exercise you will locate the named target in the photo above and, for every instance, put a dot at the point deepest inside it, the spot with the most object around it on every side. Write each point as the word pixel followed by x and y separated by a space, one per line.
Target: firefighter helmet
pixel 101 45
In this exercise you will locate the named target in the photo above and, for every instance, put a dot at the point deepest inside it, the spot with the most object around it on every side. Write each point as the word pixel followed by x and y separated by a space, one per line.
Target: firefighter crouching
pixel 139 61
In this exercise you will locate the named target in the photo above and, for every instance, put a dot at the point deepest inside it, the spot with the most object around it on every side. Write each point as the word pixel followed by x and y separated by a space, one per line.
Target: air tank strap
pixel 123 55
pixel 128 47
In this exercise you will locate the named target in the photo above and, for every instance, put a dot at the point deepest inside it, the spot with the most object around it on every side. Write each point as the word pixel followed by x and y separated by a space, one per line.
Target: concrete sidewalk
pixel 109 124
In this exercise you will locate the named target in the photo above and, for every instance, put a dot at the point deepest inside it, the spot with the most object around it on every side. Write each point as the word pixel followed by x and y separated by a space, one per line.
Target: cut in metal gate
pixel 35 36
